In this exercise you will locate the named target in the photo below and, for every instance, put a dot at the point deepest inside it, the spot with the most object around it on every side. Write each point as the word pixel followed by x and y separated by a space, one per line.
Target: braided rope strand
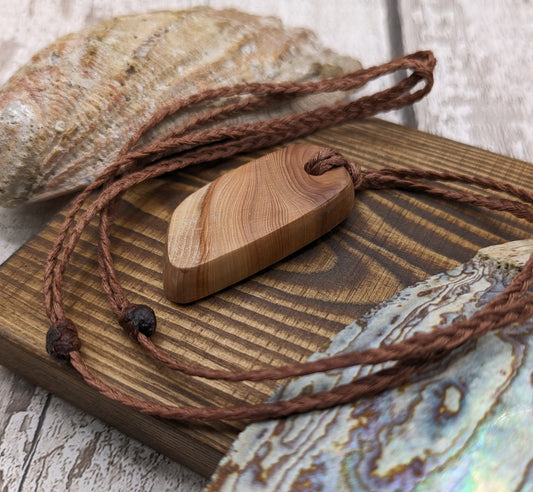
pixel 193 144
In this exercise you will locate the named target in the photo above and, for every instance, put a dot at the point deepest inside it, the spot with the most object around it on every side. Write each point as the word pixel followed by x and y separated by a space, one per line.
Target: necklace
pixel 194 144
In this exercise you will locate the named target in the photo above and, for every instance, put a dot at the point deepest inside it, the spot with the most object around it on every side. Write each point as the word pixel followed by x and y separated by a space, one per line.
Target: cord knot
pixel 138 318
pixel 326 159
pixel 61 339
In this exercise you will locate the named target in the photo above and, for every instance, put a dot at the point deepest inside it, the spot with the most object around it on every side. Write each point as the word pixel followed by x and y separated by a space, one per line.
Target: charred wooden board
pixel 278 316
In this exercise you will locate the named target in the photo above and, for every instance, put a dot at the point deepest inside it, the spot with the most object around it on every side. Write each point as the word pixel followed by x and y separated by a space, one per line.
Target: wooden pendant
pixel 249 219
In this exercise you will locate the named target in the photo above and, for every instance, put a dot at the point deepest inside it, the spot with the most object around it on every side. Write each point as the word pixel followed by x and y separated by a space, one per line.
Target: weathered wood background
pixel 482 97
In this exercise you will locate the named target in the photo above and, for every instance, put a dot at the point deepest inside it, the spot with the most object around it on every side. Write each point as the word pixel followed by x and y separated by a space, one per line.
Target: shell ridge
pixel 76 103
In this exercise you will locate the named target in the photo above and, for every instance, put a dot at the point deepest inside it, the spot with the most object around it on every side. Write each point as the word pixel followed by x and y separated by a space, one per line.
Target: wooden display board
pixel 279 316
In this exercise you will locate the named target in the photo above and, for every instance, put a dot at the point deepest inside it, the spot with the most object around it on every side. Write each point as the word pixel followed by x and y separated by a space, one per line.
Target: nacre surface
pixel 467 424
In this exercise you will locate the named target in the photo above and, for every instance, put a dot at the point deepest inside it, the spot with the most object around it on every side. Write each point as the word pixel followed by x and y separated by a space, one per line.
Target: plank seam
pixel 394 25
pixel 36 436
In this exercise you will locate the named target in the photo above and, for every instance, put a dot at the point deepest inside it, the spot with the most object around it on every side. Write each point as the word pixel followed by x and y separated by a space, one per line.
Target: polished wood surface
pixel 250 218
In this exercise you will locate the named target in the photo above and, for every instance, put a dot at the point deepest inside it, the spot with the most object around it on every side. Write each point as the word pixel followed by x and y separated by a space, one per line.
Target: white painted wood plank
pixel 357 29
pixel 21 405
pixel 482 94
pixel 76 452
pixel 17 225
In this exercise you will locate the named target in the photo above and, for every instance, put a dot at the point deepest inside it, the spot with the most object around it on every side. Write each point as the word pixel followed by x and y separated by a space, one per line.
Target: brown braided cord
pixel 192 144
pixel 365 386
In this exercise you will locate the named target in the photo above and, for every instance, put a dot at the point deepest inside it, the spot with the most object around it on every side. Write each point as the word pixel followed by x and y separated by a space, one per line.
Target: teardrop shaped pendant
pixel 250 218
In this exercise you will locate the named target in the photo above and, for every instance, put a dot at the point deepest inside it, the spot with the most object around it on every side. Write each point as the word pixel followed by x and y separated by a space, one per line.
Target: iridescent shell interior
pixel 466 424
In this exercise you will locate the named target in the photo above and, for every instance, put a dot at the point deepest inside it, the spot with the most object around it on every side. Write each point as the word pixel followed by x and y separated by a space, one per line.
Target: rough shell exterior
pixel 66 114
pixel 466 425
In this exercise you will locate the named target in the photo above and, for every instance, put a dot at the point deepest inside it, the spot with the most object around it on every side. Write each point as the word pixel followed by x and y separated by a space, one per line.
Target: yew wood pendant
pixel 249 219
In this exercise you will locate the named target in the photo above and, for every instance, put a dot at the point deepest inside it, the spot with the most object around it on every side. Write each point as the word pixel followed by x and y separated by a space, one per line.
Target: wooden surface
pixel 249 219
pixel 481 97
pixel 276 317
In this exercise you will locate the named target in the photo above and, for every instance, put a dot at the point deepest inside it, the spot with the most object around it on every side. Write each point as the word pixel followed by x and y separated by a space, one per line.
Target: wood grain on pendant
pixel 249 219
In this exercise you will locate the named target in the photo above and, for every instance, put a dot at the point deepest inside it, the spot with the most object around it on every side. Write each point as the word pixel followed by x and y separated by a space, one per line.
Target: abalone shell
pixel 467 424
pixel 65 115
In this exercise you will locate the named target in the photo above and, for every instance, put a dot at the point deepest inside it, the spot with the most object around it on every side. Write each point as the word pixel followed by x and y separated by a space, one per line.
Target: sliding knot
pixel 138 318
pixel 62 339
pixel 326 159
